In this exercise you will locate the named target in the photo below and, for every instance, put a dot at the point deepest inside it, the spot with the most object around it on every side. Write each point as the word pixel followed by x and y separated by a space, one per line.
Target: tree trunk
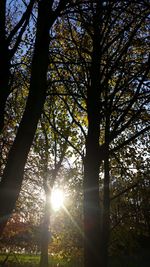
pixel 45 237
pixel 92 251
pixel 106 198
pixel 91 210
pixel 106 214
pixel 13 174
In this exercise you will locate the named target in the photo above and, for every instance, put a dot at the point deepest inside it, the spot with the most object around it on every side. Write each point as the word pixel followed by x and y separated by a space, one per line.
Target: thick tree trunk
pixel 13 173
pixel 92 229
pixel 91 210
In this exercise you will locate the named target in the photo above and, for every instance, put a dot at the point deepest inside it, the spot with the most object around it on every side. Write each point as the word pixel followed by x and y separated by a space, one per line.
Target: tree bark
pixel 92 229
pixel 11 182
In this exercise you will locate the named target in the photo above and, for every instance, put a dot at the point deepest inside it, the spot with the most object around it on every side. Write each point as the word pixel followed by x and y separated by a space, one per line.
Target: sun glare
pixel 57 199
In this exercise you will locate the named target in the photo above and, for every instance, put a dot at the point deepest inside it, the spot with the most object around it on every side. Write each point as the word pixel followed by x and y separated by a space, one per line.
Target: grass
pixel 22 260
pixel 26 260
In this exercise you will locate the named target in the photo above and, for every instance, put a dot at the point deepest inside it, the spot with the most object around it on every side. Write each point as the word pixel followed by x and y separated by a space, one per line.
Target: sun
pixel 57 199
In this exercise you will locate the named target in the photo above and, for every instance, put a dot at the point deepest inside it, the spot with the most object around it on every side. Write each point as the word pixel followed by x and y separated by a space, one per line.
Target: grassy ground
pixel 22 260
pixel 18 260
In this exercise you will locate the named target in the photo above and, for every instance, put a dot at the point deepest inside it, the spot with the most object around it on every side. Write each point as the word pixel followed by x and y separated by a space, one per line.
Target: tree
pixel 13 173
pixel 117 99
pixel 52 153
pixel 92 227
pixel 110 91
pixel 123 96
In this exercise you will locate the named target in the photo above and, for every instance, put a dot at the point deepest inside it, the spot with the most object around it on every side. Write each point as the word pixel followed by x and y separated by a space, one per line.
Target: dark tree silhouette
pixel 11 182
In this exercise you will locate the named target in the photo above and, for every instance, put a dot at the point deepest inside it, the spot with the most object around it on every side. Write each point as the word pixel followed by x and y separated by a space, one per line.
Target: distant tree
pixel 20 236
pixel 52 151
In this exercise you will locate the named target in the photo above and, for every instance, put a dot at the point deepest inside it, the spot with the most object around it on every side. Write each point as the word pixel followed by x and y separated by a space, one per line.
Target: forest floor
pixel 23 260
pixel 26 260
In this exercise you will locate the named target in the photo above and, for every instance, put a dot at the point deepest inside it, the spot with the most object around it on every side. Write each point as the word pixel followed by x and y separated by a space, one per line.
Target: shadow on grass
pixel 15 260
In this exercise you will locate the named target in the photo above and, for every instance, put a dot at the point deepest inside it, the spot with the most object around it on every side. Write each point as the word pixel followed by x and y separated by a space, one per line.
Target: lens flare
pixel 57 199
